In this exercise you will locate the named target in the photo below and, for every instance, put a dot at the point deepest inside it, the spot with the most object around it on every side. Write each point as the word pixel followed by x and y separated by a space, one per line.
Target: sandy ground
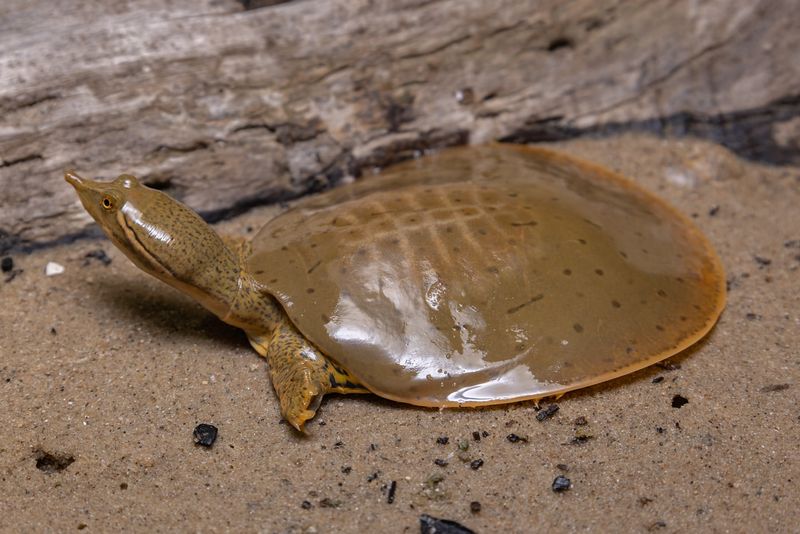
pixel 105 373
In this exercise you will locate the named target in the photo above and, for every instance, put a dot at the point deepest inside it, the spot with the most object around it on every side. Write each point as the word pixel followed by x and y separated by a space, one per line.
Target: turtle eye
pixel 107 202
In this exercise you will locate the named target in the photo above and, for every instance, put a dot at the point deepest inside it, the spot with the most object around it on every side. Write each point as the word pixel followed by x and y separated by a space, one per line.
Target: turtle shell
pixel 491 274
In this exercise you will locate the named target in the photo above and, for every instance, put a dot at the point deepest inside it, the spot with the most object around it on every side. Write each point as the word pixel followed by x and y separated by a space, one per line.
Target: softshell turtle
pixel 474 276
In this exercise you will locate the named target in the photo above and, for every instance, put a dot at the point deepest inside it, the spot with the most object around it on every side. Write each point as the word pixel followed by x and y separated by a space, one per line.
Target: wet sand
pixel 105 372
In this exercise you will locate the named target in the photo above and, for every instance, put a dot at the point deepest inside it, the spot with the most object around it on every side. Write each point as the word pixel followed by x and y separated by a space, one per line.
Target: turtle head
pixel 162 237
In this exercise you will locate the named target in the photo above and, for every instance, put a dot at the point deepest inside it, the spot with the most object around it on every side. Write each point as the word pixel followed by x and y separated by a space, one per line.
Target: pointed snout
pixel 74 179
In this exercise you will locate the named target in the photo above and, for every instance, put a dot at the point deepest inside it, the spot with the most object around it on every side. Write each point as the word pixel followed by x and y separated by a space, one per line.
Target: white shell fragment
pixel 53 269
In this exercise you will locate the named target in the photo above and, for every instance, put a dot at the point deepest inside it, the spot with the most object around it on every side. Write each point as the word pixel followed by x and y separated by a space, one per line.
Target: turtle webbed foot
pixel 301 375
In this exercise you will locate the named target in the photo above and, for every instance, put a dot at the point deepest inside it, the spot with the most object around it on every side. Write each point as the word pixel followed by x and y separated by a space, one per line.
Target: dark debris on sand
pixel 432 525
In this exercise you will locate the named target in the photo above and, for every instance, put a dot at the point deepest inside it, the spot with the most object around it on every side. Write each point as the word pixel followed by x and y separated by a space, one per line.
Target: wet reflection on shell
pixel 491 274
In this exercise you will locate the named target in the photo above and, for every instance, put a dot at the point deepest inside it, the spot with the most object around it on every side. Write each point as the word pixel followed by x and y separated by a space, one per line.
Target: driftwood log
pixel 228 104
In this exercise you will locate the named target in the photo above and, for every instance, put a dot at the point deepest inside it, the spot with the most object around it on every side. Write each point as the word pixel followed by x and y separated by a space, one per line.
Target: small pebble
pixel 547 413
pixel 476 464
pixel 474 507
pixel 205 434
pixel 476 436
pixel 6 264
pixel 440 462
pixel 392 490
pixel 513 438
pixel 52 268
pixel 561 483
pixel 678 401
pixel 443 440
pixel 306 505
pixel 433 525
pixel 580 421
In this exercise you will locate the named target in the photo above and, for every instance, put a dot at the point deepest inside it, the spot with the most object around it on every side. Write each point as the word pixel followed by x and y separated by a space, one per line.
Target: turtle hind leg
pixel 301 374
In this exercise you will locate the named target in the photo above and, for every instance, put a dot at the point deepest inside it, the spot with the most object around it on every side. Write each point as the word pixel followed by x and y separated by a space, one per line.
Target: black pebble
pixel 440 462
pixel 306 505
pixel 474 507
pixel 7 263
pixel 547 413
pixel 679 400
pixel 432 525
pixel 561 483
pixel 476 436
pixel 658 379
pixel 476 464
pixel 513 438
pixel 392 490
pixel 442 440
pixel 205 434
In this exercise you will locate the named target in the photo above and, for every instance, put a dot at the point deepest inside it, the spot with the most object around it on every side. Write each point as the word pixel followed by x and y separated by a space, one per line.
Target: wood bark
pixel 229 104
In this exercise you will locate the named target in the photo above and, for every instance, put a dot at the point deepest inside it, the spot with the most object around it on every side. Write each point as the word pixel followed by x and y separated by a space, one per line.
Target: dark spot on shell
pixel 284 248
pixel 259 272
pixel 343 270
pixel 683 318
pixel 325 318
pixel 629 350
pixel 661 293
pixel 679 279
pixel 577 327
pixel 567 271
pixel 623 254
pixel 513 195
pixel 599 272
pixel 659 328
pixel 482 231
pixel 273 281
pixel 449 229
pixel 645 251
pixel 310 290
pixel 395 241
pixel 582 241
pixel 616 304
pixel 456 249
pixel 493 270
pixel 313 245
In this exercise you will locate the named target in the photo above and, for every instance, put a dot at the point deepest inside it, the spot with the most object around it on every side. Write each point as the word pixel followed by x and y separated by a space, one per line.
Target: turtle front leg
pixel 301 374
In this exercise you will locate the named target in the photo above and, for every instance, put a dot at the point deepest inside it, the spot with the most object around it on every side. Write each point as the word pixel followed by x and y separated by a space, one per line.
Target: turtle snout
pixel 73 178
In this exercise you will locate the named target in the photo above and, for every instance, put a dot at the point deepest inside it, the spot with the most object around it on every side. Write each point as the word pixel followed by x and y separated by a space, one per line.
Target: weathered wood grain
pixel 228 104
